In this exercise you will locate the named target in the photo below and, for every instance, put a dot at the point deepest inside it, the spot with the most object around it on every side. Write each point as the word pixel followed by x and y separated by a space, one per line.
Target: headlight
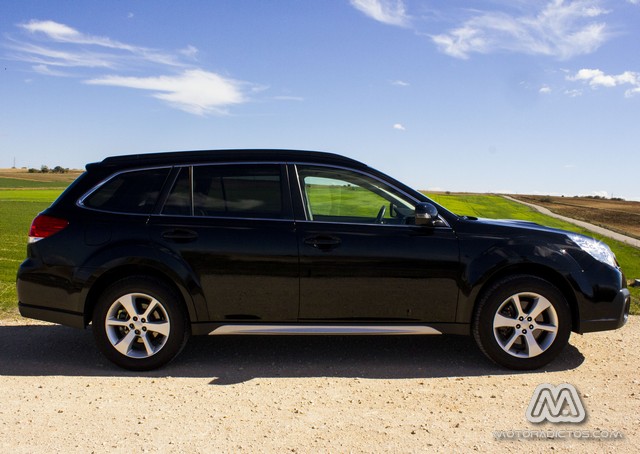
pixel 596 249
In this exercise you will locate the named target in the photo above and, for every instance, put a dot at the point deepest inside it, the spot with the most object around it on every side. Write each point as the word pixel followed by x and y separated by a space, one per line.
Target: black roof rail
pixel 197 156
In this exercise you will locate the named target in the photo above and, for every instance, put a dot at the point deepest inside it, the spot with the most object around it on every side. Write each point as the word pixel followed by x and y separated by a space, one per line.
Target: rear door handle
pixel 180 235
pixel 323 242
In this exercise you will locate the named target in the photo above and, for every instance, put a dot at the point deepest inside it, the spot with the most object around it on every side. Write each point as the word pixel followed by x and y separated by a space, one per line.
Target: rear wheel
pixel 139 323
pixel 522 322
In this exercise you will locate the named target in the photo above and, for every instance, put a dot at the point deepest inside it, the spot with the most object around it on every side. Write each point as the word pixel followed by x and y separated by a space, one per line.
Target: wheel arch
pixel 104 280
pixel 550 275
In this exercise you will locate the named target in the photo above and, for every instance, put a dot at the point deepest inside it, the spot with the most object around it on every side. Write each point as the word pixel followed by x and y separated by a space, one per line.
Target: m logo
pixel 555 404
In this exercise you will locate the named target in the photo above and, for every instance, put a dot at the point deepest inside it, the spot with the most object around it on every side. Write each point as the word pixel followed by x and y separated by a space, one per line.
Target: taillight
pixel 44 226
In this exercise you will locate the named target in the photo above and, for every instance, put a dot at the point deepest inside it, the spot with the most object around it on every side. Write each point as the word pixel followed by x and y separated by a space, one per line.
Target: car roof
pixel 231 155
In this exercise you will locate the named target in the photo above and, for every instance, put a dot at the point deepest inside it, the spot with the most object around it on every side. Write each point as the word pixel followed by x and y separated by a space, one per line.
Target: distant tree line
pixel 46 169
pixel 547 199
pixel 599 197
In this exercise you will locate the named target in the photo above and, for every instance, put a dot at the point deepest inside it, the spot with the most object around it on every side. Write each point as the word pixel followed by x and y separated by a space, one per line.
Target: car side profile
pixel 150 249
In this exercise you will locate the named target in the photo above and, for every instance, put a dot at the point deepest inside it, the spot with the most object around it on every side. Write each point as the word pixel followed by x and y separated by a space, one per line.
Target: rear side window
pixel 253 191
pixel 133 192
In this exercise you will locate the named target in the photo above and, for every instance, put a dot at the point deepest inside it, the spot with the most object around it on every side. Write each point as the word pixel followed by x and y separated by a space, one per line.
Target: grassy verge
pixel 15 219
pixel 496 207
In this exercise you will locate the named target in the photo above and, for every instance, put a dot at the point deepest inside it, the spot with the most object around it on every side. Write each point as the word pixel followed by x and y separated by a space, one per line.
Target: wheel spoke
pixel 116 323
pixel 545 327
pixel 147 345
pixel 124 344
pixel 159 327
pixel 500 321
pixel 507 346
pixel 532 344
pixel 152 306
pixel 517 304
pixel 540 305
pixel 128 303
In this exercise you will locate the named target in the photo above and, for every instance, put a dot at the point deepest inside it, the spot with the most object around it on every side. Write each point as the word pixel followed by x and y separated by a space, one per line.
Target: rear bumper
pixel 617 315
pixel 47 314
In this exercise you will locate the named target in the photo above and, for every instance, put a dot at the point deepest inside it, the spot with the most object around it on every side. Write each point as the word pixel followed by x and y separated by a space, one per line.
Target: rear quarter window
pixel 235 190
pixel 134 192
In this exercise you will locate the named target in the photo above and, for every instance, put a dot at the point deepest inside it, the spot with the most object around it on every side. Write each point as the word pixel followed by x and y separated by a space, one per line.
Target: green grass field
pixel 15 220
pixel 15 183
pixel 18 207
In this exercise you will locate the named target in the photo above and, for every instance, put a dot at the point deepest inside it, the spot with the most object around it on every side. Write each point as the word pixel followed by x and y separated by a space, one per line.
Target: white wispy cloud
pixel 399 83
pixel 50 56
pixel 195 91
pixel 391 12
pixel 56 49
pixel 47 71
pixel 190 51
pixel 289 98
pixel 63 34
pixel 545 89
pixel 399 127
pixel 573 93
pixel 597 78
pixel 560 28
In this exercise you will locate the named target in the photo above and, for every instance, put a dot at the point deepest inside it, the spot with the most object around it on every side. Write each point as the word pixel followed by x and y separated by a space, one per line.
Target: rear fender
pixel 120 260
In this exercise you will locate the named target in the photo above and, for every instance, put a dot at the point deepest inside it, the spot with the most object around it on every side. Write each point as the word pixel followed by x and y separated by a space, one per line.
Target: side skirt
pixel 326 329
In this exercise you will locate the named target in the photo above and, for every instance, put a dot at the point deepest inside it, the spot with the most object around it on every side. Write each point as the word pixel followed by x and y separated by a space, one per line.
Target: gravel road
pixel 594 228
pixel 306 394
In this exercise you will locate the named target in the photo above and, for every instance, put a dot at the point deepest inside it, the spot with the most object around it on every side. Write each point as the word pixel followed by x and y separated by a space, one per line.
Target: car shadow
pixel 41 350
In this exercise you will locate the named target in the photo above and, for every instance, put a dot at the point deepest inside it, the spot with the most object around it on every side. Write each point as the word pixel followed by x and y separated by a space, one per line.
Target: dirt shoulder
pixel 621 216
pixel 304 394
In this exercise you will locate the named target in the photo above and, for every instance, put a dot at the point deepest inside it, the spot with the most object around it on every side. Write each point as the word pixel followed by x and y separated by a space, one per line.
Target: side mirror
pixel 426 214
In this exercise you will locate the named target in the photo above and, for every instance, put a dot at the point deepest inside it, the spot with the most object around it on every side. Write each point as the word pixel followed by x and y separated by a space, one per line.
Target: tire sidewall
pixel 170 302
pixel 491 302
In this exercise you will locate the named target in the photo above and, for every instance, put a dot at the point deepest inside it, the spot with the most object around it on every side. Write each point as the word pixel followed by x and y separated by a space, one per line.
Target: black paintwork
pixel 294 270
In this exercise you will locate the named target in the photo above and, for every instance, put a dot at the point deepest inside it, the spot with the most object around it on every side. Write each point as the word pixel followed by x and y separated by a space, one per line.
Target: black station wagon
pixel 152 248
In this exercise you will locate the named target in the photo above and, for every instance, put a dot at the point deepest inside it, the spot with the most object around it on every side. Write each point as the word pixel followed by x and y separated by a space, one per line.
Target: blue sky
pixel 495 96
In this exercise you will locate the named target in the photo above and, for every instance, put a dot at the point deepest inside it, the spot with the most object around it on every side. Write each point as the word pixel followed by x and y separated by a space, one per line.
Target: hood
pixel 515 225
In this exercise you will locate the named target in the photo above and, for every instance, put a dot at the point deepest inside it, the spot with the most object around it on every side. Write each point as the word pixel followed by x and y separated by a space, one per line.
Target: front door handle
pixel 180 235
pixel 323 242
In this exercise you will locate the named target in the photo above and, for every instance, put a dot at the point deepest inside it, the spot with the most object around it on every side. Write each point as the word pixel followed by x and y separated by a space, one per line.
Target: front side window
pixel 134 192
pixel 337 195
pixel 252 191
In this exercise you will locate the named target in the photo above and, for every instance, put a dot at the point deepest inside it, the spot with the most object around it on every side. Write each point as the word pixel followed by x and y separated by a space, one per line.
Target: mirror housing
pixel 426 214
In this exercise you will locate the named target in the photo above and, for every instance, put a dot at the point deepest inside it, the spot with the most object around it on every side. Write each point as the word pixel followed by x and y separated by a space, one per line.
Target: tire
pixel 139 323
pixel 522 322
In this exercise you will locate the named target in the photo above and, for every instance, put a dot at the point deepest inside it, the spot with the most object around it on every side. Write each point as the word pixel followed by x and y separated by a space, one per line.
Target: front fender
pixel 520 255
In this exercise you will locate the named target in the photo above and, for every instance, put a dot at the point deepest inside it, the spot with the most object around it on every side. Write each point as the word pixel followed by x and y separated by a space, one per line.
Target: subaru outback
pixel 150 249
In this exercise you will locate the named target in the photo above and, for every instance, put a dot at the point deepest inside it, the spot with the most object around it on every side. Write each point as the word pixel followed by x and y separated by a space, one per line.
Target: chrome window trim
pixel 445 227
pixel 233 218
pixel 80 201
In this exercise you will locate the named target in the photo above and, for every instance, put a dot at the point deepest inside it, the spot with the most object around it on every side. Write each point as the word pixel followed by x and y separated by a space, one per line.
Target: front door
pixel 362 260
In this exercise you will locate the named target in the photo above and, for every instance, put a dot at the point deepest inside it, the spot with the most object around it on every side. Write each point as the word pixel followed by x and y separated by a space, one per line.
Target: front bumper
pixel 617 315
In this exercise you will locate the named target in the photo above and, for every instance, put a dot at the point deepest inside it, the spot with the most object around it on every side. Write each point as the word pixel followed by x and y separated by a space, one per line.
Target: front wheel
pixel 139 323
pixel 522 322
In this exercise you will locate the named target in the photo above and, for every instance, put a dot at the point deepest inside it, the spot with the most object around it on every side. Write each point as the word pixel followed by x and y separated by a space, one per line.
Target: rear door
pixel 232 225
